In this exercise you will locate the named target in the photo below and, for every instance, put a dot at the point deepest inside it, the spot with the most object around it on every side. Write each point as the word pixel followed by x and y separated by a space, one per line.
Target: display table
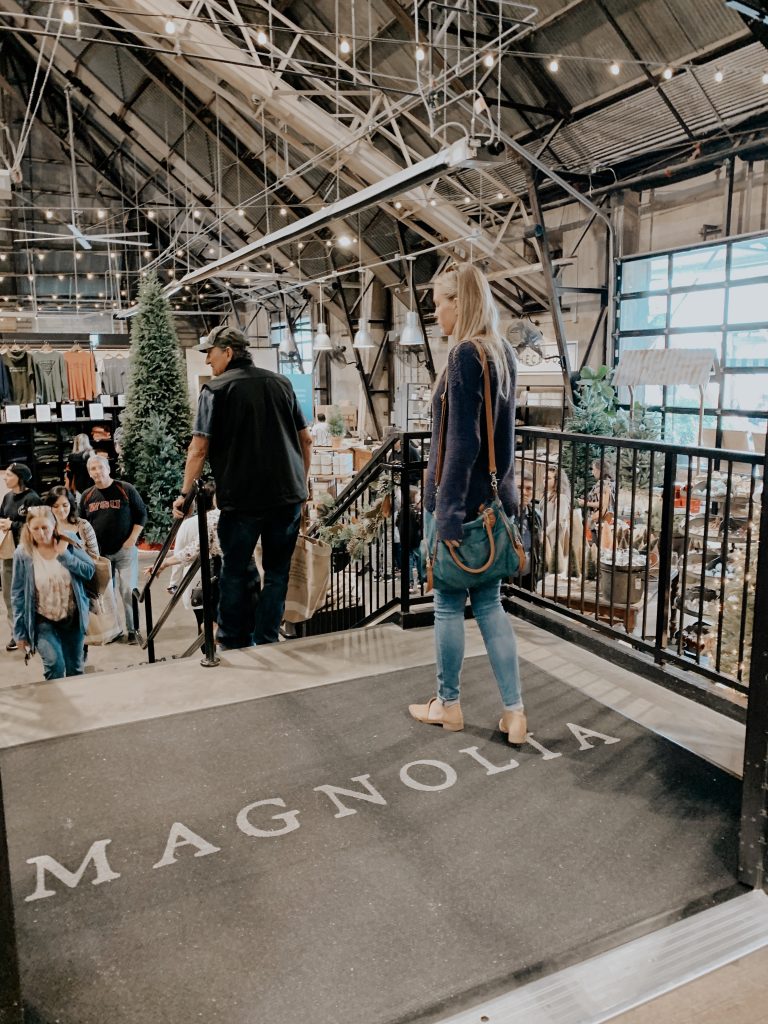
pixel 555 588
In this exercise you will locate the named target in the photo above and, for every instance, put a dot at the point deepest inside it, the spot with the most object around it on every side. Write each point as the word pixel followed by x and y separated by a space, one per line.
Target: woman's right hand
pixel 5 524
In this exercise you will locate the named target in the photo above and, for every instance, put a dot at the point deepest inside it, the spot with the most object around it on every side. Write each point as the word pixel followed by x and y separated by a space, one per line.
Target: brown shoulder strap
pixel 488 421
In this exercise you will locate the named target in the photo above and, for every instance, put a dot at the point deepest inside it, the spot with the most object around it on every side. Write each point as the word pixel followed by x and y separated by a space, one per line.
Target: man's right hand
pixel 178 507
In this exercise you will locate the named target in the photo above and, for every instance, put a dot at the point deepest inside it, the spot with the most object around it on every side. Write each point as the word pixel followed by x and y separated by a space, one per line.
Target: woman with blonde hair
pixel 50 605
pixel 465 309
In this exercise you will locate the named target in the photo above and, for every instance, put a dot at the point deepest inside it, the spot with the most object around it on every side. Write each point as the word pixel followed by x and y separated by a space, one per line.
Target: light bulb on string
pixel 554 66
pixel 489 60
pixel 420 54
pixel 719 76
pixel 667 73
pixel 170 27
pixel 68 16
pixel 261 37
pixel 615 68
pixel 345 46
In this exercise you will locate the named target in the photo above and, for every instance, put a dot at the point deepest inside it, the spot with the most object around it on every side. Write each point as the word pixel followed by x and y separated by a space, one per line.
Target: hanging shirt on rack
pixel 20 370
pixel 115 375
pixel 50 376
pixel 81 375
pixel 6 392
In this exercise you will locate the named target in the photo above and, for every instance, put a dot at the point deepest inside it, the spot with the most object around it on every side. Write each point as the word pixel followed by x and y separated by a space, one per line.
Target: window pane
pixel 749 259
pixel 747 305
pixel 685 396
pixel 745 391
pixel 698 339
pixel 643 314
pixel 683 428
pixel 649 275
pixel 747 348
pixel 698 266
pixel 698 309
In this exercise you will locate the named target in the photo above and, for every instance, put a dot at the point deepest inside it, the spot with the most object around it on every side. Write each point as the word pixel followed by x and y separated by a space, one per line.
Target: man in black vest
pixel 251 429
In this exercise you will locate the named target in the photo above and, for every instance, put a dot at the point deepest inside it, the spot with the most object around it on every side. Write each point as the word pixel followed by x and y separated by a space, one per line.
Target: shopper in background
pixel 530 526
pixel 68 521
pixel 185 551
pixel 321 435
pixel 601 499
pixel 465 309
pixel 558 519
pixel 249 425
pixel 76 473
pixel 117 513
pixel 13 511
pixel 50 606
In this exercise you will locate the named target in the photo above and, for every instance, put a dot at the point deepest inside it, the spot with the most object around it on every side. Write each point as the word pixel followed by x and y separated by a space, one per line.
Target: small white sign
pixel 96 410
pixel 68 412
pixel 106 400
pixel 13 414
pixel 121 399
pixel 43 413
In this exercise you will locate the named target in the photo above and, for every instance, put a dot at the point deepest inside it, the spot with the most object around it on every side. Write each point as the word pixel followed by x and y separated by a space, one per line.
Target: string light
pixel 68 16
pixel 101 214
pixel 667 74
pixel 283 212
pixel 345 46
pixel 241 213
pixel 345 241
pixel 170 27
pixel 489 60
pixel 420 54
pixel 554 66
pixel 147 254
pixel 196 214
pixel 48 214
pixel 398 205
pixel 615 68
pixel 151 215
pixel 719 76
pixel 261 37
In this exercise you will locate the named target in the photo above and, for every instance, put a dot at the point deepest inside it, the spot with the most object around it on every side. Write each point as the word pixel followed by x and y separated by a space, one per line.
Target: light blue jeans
pixel 125 574
pixel 498 636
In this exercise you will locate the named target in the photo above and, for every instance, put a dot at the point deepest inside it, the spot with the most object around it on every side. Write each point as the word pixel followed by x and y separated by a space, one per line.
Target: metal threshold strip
pixel 613 983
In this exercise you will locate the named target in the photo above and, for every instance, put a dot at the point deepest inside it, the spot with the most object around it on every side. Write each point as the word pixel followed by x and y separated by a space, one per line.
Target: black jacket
pixel 14 507
pixel 254 448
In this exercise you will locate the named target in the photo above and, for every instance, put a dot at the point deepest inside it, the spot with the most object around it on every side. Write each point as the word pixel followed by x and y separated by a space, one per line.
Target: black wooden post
pixel 665 553
pixel 753 838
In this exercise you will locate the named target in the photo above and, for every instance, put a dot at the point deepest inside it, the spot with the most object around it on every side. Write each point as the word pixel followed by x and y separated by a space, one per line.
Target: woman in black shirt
pixel 13 512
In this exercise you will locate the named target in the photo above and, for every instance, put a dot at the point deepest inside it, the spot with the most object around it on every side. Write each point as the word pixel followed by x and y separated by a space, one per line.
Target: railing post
pixel 753 837
pixel 11 1008
pixel 209 659
pixel 405 521
pixel 665 552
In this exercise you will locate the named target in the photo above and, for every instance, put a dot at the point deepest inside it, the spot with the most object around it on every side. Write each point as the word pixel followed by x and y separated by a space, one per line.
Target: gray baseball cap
pixel 223 336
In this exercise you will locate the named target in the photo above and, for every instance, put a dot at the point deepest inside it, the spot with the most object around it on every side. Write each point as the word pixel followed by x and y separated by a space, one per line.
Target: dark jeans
pixel 242 621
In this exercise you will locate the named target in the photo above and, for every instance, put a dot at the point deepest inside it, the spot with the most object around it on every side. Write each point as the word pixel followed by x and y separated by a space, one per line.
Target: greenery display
pixel 157 421
pixel 360 532
pixel 335 419
pixel 596 411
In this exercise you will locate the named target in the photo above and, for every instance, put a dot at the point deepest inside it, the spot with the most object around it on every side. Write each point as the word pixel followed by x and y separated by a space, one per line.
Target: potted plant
pixel 336 426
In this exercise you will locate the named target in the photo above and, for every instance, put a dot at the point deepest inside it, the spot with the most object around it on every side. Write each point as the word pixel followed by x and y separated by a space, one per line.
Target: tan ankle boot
pixel 515 725
pixel 434 712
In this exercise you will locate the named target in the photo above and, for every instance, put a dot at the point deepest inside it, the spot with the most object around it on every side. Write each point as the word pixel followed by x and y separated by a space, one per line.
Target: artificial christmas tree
pixel 156 422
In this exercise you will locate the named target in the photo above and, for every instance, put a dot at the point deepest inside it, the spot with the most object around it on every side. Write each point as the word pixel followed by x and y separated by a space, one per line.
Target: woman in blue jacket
pixel 50 606
pixel 465 309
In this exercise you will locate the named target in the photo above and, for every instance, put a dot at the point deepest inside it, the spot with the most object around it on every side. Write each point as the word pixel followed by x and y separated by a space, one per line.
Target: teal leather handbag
pixel 491 547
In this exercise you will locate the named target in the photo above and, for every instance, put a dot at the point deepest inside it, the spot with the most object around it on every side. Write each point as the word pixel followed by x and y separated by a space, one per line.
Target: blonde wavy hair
pixel 477 316
pixel 26 540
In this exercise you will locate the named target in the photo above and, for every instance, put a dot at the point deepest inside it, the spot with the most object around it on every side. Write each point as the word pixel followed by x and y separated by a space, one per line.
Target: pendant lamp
pixel 411 336
pixel 322 340
pixel 363 337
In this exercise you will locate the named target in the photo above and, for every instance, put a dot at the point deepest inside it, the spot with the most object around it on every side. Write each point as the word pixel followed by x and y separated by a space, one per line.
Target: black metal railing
pixel 200 495
pixel 372 566
pixel 650 541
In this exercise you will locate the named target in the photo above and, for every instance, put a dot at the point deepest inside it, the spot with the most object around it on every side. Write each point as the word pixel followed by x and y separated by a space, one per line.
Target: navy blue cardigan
pixel 465 484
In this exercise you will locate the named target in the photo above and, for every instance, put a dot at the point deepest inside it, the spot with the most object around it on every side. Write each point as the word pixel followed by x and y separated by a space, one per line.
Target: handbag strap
pixel 488 423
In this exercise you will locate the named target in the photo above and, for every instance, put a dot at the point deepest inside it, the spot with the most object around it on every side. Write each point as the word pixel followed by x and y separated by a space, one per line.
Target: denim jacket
pixel 24 598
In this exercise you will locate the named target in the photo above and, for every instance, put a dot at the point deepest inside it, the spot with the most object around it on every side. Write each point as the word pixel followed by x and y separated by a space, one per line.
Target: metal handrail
pixel 200 492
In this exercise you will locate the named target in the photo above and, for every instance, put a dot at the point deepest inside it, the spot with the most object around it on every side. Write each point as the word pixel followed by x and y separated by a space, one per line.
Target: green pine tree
pixel 157 400
pixel 161 476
